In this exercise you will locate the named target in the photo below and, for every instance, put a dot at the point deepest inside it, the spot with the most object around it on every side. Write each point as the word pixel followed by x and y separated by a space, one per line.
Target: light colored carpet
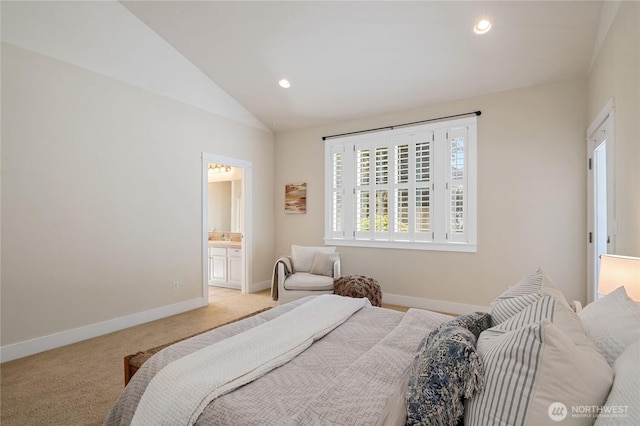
pixel 78 384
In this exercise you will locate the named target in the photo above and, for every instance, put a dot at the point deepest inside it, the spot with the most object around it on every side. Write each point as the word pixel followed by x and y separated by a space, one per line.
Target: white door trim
pixel 246 219
pixel 604 121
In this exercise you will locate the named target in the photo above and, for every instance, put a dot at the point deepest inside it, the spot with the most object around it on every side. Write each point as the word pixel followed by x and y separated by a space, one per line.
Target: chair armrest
pixel 282 273
pixel 336 268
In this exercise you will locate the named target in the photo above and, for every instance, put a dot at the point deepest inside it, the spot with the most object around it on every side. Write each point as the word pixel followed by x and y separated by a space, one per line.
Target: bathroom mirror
pixel 224 206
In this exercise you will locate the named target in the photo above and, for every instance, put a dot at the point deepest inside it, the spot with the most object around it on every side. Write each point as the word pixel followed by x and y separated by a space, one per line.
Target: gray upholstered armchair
pixel 307 271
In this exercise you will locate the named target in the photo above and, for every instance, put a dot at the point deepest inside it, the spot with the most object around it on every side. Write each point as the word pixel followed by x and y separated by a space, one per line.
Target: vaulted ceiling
pixel 350 59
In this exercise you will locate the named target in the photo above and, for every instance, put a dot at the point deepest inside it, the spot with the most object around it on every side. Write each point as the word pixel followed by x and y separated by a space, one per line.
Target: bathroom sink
pixel 218 243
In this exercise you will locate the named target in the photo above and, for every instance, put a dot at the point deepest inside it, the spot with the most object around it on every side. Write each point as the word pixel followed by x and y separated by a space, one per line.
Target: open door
pixel 600 196
pixel 234 266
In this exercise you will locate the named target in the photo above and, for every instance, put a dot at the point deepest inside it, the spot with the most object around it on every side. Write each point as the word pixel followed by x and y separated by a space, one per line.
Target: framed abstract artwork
pixel 295 198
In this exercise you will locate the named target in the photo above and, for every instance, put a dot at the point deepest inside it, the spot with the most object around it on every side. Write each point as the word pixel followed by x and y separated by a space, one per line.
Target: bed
pixel 384 367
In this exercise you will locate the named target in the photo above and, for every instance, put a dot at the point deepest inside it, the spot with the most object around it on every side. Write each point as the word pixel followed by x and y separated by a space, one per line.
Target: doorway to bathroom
pixel 226 225
pixel 601 217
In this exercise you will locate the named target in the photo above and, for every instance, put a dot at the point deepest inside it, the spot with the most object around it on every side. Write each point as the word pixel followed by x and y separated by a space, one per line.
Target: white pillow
pixel 302 257
pixel 612 323
pixel 547 307
pixel 622 406
pixel 524 293
pixel 323 264
pixel 534 360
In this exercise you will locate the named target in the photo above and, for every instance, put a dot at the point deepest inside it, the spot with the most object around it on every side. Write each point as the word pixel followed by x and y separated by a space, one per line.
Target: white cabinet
pixel 225 267
pixel 234 266
pixel 217 264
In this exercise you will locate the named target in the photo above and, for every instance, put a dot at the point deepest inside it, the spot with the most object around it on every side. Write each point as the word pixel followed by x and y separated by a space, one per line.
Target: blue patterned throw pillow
pixel 476 322
pixel 446 370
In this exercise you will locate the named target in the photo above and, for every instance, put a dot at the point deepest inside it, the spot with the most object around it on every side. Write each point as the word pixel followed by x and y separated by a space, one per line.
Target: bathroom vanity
pixel 225 264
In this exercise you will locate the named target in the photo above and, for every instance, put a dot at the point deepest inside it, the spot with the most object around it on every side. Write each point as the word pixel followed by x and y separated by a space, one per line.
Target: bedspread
pixel 346 378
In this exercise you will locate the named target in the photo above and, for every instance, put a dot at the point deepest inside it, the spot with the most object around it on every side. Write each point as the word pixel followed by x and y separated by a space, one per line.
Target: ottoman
pixel 359 286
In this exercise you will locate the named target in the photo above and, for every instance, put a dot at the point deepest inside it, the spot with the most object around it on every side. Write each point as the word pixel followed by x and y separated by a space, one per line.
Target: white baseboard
pixel 432 305
pixel 259 286
pixel 56 340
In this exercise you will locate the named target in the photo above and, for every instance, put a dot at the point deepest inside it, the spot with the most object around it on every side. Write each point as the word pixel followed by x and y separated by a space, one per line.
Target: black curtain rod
pixel 402 125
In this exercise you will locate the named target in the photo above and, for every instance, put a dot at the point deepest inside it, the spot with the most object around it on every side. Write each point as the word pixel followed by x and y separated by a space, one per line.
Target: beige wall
pixel 101 196
pixel 101 190
pixel 616 74
pixel 531 198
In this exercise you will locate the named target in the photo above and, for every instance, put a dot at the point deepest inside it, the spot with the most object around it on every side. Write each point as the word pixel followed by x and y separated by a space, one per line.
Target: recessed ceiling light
pixel 483 26
pixel 284 83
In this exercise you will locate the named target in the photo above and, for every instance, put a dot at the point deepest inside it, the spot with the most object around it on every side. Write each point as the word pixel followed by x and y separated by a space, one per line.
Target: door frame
pixel 246 219
pixel 604 121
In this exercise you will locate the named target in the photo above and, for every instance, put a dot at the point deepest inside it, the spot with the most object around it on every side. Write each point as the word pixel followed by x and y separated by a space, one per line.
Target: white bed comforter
pixel 181 390
pixel 352 376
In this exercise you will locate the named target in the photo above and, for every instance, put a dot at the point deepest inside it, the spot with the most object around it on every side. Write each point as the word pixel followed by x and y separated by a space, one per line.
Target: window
pixel 411 187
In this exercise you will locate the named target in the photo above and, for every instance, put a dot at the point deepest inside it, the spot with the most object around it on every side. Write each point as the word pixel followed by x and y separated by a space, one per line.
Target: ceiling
pixel 347 60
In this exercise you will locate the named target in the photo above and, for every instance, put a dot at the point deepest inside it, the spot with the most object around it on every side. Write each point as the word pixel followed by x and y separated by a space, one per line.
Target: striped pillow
pixel 523 294
pixel 503 309
pixel 537 358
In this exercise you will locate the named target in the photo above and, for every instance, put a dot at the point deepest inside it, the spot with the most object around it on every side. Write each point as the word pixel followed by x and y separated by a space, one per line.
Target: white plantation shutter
pixel 336 193
pixel 411 187
pixel 423 185
pixel 363 190
pixel 400 184
pixel 456 188
pixel 381 187
pixel 401 191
